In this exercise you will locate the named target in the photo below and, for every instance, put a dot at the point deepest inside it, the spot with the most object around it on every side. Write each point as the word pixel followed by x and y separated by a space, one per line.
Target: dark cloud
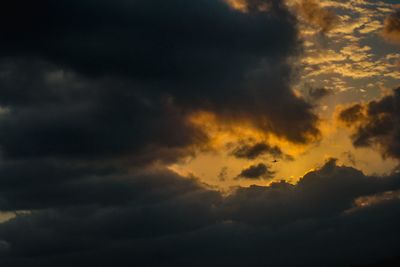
pixel 376 124
pixel 386 263
pixel 96 98
pixel 351 114
pixel 122 77
pixel 142 39
pixel 330 190
pixel 251 151
pixel 164 219
pixel 391 30
pixel 317 93
pixel 47 184
pixel 317 16
pixel 260 171
pixel 51 112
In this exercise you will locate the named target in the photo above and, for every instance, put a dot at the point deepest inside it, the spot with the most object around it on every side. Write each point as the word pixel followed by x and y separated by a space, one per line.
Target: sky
pixel 199 133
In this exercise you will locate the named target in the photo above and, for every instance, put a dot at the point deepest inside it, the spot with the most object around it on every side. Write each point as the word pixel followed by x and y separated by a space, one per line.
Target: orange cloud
pixel 222 130
pixel 317 16
pixel 247 5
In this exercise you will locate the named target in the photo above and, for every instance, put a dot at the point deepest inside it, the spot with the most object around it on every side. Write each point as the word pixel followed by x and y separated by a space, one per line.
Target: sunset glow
pixel 200 133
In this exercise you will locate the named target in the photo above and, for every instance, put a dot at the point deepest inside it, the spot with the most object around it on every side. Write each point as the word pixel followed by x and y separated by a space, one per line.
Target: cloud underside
pixel 123 77
pixel 96 99
pixel 98 217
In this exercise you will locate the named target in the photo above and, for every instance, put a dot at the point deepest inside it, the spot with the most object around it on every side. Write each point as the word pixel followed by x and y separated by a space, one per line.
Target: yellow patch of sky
pixel 339 62
pixel 335 61
pixel 335 144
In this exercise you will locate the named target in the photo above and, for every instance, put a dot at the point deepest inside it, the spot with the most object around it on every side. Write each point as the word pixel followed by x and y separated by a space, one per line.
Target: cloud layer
pixel 315 15
pixel 158 218
pixel 134 58
pixel 95 101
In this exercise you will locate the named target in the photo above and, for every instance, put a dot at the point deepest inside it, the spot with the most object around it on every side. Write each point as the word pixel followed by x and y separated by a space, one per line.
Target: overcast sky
pixel 199 133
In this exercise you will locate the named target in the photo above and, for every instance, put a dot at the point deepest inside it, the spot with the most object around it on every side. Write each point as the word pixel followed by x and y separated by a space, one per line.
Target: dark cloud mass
pixel 376 124
pixel 129 58
pixel 95 101
pixel 160 219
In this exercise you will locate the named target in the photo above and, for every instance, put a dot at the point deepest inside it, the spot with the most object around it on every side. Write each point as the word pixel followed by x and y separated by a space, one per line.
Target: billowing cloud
pixel 376 124
pixel 391 30
pixel 124 219
pixel 97 99
pixel 122 78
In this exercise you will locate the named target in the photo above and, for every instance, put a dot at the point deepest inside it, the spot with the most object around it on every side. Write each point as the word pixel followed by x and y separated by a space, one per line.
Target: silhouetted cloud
pixel 158 218
pixel 251 151
pixel 376 123
pixel 259 171
pixel 351 114
pixel 96 99
pixel 120 76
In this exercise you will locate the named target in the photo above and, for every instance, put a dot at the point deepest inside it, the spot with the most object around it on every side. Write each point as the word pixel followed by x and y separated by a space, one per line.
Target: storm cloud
pixel 160 218
pixel 138 68
pixel 96 101
pixel 376 124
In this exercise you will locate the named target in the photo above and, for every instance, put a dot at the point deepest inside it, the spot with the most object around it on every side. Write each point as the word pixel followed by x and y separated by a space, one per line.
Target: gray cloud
pixel 160 218
pixel 95 96
pixel 117 83
pixel 376 123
